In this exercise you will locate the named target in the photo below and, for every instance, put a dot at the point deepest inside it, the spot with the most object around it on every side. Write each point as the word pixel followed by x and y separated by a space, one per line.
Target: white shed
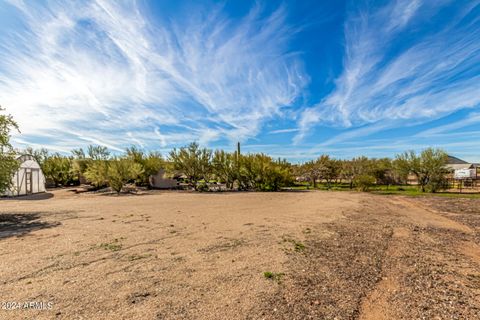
pixel 29 178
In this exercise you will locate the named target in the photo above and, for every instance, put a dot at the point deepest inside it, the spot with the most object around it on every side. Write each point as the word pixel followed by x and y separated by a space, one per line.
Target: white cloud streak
pixel 388 76
pixel 95 71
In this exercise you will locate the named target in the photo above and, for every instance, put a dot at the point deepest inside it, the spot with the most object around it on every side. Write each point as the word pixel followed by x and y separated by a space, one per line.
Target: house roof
pixel 455 160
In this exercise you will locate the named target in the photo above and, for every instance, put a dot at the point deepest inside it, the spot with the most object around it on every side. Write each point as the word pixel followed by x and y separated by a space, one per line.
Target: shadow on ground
pixel 31 197
pixel 17 224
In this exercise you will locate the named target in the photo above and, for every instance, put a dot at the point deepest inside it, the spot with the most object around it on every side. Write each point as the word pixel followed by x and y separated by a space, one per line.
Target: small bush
pixel 364 182
pixel 202 187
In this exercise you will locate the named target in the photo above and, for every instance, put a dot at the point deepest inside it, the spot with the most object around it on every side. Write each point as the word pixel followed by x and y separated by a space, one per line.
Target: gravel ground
pixel 295 255
pixel 378 265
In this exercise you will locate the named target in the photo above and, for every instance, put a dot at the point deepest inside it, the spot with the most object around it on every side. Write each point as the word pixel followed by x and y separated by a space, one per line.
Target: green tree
pixel 96 152
pixel 8 162
pixel 151 163
pixel 261 173
pixel 59 169
pixel 225 167
pixel 114 173
pixel 428 167
pixel 96 173
pixel 193 162
pixel 382 170
pixel 329 169
pixel 364 182
pixel 120 171
pixel 311 171
pixel 40 155
pixel 350 169
pixel 82 160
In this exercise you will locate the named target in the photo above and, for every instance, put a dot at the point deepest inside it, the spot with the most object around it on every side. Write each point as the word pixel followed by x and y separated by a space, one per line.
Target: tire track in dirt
pixel 428 270
pixel 390 259
pixel 330 279
pixel 376 305
pixel 420 215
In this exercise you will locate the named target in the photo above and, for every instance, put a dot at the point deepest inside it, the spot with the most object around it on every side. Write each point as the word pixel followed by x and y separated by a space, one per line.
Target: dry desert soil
pixel 288 255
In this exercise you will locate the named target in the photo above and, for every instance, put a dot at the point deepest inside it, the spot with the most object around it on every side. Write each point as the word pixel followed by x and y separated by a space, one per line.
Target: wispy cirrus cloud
pixel 103 72
pixel 397 67
pixel 471 119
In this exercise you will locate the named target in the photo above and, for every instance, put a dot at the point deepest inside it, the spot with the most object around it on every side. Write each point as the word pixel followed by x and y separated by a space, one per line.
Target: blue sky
pixel 294 79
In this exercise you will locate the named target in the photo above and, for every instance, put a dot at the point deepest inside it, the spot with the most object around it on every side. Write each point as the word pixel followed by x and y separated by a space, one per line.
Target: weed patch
pixel 134 257
pixel 115 245
pixel 297 245
pixel 275 276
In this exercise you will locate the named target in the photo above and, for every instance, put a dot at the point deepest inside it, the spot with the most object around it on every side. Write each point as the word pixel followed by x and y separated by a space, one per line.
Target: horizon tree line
pixel 203 169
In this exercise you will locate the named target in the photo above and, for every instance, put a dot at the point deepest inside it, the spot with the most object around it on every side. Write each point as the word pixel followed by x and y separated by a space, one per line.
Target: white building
pixel 28 179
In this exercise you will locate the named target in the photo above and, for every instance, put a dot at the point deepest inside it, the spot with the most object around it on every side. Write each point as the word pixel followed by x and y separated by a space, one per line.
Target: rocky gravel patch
pixel 329 279
pixel 422 273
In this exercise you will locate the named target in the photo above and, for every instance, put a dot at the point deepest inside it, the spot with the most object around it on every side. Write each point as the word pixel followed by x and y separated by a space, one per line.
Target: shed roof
pixel 25 157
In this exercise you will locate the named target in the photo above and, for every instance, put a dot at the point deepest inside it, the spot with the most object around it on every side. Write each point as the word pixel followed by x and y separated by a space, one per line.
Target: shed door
pixel 28 181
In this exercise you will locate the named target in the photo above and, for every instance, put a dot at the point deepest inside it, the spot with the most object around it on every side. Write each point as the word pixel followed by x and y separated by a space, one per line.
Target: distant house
pixel 28 179
pixel 456 168
pixel 460 169
pixel 460 166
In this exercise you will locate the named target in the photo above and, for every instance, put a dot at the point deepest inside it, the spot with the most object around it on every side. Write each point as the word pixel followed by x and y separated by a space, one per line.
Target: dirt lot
pixel 174 255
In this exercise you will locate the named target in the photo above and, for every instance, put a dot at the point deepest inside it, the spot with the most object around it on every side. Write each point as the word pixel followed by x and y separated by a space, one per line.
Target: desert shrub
pixel 428 167
pixel 225 167
pixel 8 163
pixel 382 170
pixel 94 156
pixel 151 163
pixel 193 162
pixel 120 171
pixel 260 172
pixel 8 167
pixel 59 169
pixel 364 182
pixel 97 173
pixel 203 187
pixel 115 173
pixel 350 170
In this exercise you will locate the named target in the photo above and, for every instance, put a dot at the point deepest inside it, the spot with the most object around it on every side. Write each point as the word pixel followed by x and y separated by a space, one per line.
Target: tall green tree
pixel 359 166
pixel 82 160
pixel 97 173
pixel 114 173
pixel 40 155
pixel 59 169
pixel 311 171
pixel 121 171
pixel 428 167
pixel 225 167
pixel 150 162
pixel 8 162
pixel 322 168
pixel 96 152
pixel 261 173
pixel 194 162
